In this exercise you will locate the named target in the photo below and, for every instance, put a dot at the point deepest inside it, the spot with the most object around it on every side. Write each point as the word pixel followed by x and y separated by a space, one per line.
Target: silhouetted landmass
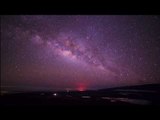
pixel 129 95
pixel 138 87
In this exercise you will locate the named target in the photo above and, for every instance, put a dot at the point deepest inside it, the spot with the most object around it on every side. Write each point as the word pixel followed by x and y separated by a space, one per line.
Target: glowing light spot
pixel 55 94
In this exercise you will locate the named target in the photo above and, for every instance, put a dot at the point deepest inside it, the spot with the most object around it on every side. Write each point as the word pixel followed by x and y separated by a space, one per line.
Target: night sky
pixel 79 52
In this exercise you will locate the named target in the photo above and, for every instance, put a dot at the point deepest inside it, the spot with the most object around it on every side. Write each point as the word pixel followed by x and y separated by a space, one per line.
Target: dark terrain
pixel 127 96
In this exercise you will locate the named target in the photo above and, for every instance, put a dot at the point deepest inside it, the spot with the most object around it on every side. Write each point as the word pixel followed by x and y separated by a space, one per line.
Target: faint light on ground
pixel 86 97
pixel 128 100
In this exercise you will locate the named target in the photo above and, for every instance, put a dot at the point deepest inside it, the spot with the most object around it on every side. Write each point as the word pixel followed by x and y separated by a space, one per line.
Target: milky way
pixel 79 52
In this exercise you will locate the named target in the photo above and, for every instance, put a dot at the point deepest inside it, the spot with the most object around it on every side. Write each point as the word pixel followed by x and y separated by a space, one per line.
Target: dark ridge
pixel 138 87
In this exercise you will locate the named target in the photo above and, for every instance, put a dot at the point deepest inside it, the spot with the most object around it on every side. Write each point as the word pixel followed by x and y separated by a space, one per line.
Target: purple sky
pixel 79 52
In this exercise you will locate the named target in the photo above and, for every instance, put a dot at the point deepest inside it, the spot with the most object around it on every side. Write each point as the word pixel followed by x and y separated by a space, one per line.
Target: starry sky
pixel 79 52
